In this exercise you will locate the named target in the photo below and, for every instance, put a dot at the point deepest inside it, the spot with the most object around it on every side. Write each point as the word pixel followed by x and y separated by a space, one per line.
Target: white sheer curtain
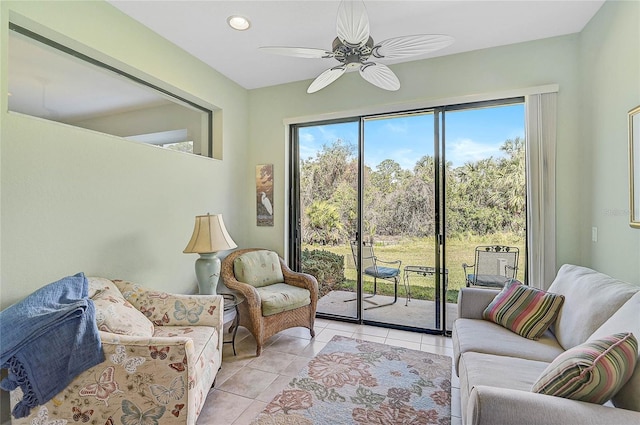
pixel 541 112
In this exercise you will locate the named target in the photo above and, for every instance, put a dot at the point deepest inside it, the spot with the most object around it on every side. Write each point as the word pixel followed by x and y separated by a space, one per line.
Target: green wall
pixel 77 200
pixel 610 74
pixel 598 75
pixel 431 82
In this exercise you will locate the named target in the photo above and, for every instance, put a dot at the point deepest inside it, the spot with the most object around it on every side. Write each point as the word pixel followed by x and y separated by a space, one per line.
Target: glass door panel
pixel 398 223
pixel 328 204
pixel 485 187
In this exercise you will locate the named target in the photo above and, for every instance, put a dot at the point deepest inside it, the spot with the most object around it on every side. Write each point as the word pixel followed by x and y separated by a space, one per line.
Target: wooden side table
pixel 232 315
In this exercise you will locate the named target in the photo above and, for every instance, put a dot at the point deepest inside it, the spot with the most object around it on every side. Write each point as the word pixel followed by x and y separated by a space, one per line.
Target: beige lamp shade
pixel 209 235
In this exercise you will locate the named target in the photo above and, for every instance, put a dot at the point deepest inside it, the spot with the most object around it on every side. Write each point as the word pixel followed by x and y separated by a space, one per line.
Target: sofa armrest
pixel 493 406
pixel 168 309
pixel 473 301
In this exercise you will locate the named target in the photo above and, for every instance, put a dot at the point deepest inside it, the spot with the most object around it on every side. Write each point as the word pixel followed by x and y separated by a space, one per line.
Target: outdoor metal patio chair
pixel 371 267
pixel 494 266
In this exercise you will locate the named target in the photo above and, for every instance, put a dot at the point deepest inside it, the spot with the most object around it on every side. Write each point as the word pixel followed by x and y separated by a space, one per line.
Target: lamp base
pixel 208 272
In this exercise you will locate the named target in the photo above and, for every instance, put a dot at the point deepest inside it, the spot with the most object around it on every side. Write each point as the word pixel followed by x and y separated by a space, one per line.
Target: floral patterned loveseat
pixel 162 352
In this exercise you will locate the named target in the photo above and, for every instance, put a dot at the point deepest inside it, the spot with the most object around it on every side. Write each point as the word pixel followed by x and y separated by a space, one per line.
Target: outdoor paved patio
pixel 417 313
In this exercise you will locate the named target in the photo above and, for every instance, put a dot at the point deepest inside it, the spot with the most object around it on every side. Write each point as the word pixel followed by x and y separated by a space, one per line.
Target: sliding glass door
pixel 386 208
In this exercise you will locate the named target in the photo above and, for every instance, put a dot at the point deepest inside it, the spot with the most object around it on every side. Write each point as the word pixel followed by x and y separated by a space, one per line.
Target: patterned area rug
pixel 352 381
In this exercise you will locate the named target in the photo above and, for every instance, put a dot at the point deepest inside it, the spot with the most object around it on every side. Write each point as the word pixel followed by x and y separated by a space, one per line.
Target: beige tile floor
pixel 246 383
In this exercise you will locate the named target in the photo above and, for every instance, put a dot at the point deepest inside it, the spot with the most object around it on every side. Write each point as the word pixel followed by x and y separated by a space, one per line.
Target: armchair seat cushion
pixel 383 272
pixel 493 281
pixel 281 297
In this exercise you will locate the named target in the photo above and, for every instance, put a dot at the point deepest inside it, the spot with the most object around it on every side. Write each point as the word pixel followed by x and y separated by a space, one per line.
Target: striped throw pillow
pixel 524 310
pixel 593 372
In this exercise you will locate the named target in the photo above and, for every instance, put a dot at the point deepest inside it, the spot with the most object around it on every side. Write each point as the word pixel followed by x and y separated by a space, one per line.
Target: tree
pixel 324 223
pixel 483 197
pixel 512 177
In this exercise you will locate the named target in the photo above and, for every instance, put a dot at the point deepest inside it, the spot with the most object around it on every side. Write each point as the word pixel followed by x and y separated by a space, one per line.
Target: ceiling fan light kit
pixel 355 48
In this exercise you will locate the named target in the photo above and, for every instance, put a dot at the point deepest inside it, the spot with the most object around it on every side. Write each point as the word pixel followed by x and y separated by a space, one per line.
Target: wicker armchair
pixel 251 311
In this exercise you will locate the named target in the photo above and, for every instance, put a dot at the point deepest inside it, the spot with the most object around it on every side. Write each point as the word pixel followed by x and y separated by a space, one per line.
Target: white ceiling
pixel 200 28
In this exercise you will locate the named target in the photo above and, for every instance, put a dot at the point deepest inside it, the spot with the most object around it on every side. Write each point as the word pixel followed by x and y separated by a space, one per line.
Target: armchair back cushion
pixel 115 314
pixel 258 268
pixel 281 297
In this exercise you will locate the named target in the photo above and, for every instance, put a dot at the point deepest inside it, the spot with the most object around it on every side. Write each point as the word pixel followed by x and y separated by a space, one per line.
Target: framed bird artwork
pixel 264 195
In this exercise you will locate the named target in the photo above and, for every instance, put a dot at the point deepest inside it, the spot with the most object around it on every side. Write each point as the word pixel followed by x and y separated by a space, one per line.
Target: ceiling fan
pixel 354 48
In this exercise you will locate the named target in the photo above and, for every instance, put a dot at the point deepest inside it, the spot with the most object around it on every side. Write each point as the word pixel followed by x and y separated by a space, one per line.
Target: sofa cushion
pixel 524 310
pixel 593 371
pixel 115 314
pixel 590 299
pixel 258 268
pixel 626 319
pixel 281 297
pixel 496 371
pixel 481 335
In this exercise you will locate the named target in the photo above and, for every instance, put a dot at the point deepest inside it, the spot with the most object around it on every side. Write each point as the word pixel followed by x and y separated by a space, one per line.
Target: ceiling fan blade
pixel 353 22
pixel 380 75
pixel 326 78
pixel 298 52
pixel 411 45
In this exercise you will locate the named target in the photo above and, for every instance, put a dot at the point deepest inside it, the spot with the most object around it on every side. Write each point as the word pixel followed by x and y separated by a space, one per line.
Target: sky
pixel 471 135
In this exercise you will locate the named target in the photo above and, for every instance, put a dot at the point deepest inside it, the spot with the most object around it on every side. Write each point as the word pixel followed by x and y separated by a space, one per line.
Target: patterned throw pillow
pixel 593 372
pixel 115 314
pixel 524 310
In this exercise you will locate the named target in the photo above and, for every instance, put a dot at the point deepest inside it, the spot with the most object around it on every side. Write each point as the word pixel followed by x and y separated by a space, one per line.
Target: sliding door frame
pixel 439 141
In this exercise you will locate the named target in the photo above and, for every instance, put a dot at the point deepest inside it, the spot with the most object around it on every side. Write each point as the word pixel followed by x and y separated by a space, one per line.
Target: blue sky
pixel 470 135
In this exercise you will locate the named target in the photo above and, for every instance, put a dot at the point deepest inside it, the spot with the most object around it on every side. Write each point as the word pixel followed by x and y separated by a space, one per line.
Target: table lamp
pixel 209 237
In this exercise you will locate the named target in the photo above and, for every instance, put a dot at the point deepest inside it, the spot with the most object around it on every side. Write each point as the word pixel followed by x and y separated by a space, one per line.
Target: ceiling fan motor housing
pixel 352 55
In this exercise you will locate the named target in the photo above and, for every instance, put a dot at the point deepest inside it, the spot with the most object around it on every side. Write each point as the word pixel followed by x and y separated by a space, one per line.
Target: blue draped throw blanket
pixel 47 339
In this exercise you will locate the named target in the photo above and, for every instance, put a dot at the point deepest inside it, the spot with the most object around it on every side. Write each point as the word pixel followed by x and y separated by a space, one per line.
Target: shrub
pixel 325 266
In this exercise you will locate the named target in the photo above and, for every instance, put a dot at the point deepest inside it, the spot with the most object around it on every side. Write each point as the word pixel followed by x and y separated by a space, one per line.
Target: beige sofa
pixel 162 352
pixel 497 367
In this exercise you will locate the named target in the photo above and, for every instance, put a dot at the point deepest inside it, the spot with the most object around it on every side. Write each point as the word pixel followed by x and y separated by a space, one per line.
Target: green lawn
pixel 420 252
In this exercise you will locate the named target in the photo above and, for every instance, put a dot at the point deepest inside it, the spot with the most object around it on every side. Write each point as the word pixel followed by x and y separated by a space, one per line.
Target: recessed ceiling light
pixel 238 22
